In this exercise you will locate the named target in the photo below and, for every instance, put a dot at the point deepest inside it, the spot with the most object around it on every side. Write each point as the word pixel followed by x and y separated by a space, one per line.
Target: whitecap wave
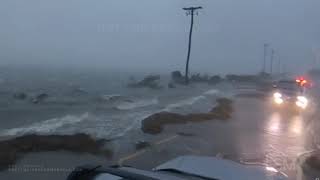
pixel 202 103
pixel 212 92
pixel 219 94
pixel 127 122
pixel 183 103
pixel 46 127
pixel 107 126
pixel 128 105
pixel 111 97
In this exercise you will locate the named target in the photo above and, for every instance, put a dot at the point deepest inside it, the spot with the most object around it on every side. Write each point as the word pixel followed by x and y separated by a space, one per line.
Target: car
pixel 183 167
pixel 290 93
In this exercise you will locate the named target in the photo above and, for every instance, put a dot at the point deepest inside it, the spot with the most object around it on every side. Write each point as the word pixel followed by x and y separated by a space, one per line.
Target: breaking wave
pixel 111 97
pixel 46 127
pixel 201 103
pixel 183 103
pixel 100 126
pixel 104 124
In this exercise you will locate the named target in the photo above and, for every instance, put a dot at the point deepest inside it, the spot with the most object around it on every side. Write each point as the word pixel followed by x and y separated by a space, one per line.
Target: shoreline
pixel 14 149
pixel 27 146
pixel 176 140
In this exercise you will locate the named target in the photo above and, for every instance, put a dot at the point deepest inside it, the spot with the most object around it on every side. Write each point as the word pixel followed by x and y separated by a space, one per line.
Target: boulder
pixel 151 81
pixel 155 123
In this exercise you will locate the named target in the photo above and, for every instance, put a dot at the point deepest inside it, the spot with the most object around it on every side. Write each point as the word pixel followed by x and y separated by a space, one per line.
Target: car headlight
pixel 302 102
pixel 278 100
pixel 302 99
pixel 277 95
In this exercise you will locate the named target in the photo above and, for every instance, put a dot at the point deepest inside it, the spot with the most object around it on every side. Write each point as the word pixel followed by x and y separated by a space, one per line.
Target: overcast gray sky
pixel 228 35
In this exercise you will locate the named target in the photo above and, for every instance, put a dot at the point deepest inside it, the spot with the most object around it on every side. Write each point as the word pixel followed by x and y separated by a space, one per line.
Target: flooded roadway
pixel 257 134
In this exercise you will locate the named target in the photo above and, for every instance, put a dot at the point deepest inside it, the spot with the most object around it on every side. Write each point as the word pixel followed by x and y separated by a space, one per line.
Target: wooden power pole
pixel 190 11
pixel 271 61
pixel 265 50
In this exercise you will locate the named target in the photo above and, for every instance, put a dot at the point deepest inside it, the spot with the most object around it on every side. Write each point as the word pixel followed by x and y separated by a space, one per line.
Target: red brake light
pixel 301 81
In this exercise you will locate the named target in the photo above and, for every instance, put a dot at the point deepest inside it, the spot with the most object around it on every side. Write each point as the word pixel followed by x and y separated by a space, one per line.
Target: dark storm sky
pixel 228 34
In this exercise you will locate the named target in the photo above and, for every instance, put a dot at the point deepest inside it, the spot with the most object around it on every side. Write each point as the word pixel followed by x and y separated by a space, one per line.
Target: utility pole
pixel 190 11
pixel 265 46
pixel 271 61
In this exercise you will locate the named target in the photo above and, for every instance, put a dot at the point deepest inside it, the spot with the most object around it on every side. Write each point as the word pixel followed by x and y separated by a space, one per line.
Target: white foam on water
pixel 44 127
pixel 203 99
pixel 212 92
pixel 183 103
pixel 219 94
pixel 111 97
pixel 99 126
pixel 108 126
pixel 137 104
pixel 202 103
pixel 118 123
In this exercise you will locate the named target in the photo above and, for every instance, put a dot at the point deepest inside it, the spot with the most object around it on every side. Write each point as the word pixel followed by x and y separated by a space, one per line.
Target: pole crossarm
pixel 190 11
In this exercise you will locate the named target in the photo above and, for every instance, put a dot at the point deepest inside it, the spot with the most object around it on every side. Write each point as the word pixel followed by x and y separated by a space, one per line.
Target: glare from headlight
pixel 277 95
pixel 302 102
pixel 278 100
pixel 302 99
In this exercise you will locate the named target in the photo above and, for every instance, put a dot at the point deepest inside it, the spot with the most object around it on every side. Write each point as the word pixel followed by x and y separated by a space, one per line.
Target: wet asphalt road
pixel 257 134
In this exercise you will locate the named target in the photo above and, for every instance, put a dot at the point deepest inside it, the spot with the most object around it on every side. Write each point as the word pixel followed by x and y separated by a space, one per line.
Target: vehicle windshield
pixel 288 86
pixel 143 83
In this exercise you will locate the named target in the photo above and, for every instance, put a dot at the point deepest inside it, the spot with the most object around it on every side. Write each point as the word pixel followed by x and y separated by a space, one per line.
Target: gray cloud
pixel 228 36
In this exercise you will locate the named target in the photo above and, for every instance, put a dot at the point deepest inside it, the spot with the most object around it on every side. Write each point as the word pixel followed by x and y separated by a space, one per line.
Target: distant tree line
pixel 177 77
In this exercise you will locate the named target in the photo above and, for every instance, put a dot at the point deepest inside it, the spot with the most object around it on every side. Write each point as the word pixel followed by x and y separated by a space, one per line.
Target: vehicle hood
pixel 289 93
pixel 217 168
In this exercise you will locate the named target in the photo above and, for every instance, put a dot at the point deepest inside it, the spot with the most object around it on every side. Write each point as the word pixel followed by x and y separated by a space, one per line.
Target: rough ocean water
pixel 95 102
